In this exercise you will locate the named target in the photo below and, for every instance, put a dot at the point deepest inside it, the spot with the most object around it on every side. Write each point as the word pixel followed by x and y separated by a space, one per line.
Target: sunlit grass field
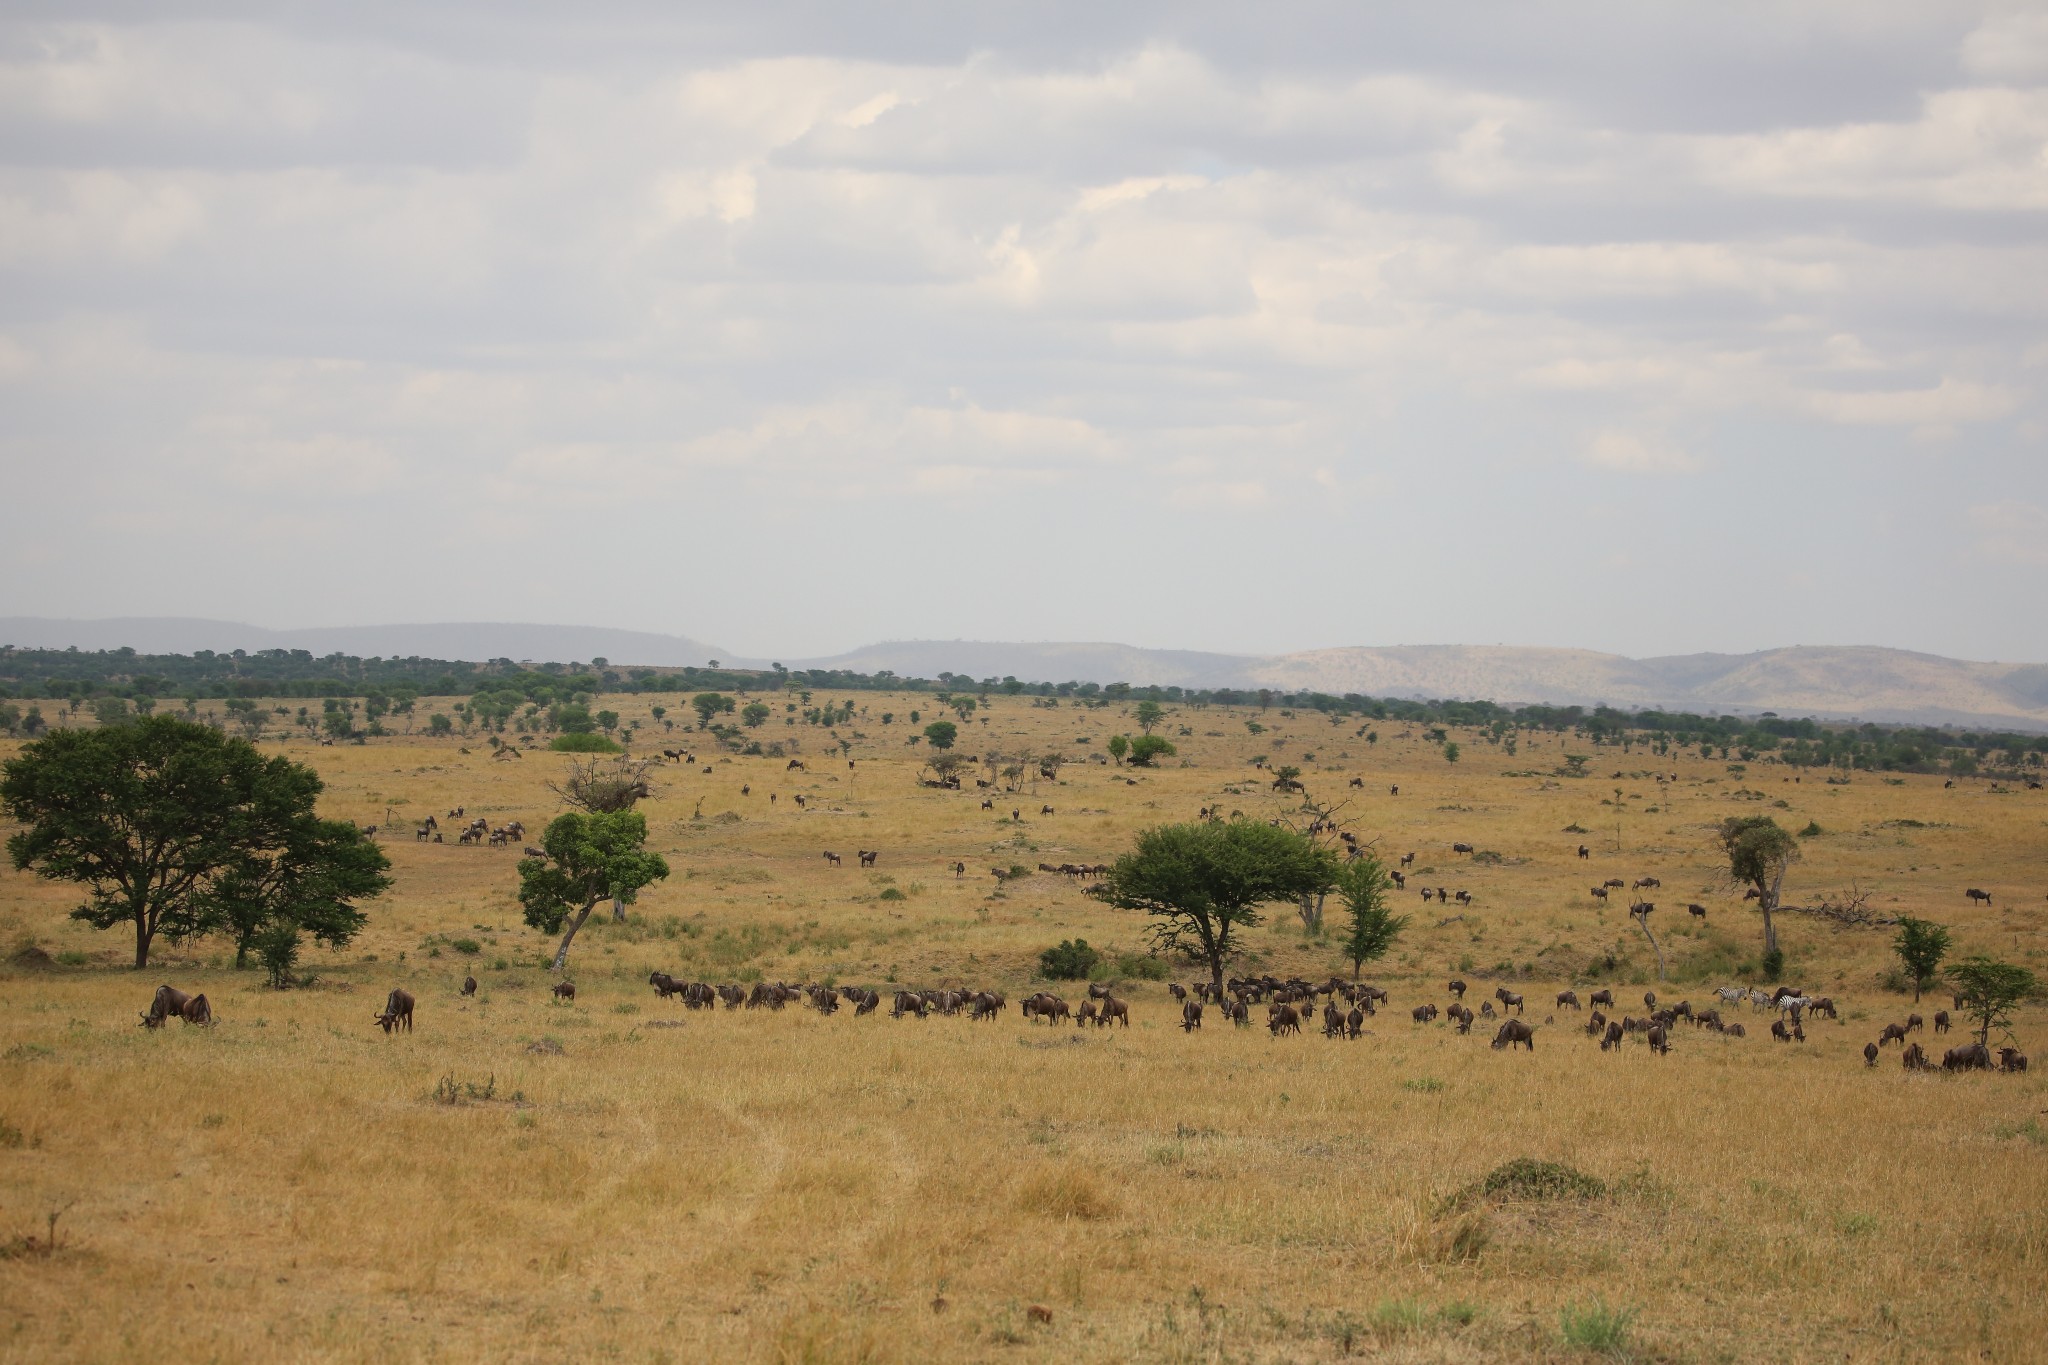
pixel 621 1178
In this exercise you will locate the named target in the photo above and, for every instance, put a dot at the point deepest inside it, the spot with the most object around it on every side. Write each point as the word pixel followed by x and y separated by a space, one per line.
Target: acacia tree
pixel 1148 714
pixel 591 857
pixel 1987 989
pixel 1759 850
pixel 306 877
pixel 1363 884
pixel 1921 945
pixel 1200 883
pixel 171 824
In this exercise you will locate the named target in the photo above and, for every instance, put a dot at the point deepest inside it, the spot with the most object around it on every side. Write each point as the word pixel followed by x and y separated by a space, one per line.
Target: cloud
pixel 2013 532
pixel 1629 453
pixel 1946 403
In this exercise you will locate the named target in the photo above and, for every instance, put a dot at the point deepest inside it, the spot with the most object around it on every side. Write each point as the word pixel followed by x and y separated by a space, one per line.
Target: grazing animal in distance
pixel 1658 1039
pixel 469 985
pixel 1190 1015
pixel 564 990
pixel 1974 895
pixel 1913 1059
pixel 1612 1038
pixel 1422 1014
pixel 1585 852
pixel 1512 1032
pixel 2011 1059
pixel 1456 988
pixel 1696 911
pixel 1974 1057
pixel 1462 848
pixel 868 856
pixel 1568 1000
pixel 1602 997
pixel 397 1012
pixel 832 858
pixel 1870 1054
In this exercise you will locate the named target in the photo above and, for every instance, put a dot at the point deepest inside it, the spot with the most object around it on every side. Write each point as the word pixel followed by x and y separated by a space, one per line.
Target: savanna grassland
pixel 623 1179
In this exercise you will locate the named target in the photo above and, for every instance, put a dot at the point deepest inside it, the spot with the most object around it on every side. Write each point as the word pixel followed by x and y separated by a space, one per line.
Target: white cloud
pixel 1946 403
pixel 1630 453
pixel 2014 532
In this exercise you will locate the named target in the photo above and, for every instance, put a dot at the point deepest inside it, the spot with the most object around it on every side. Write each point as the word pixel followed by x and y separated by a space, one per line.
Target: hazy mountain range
pixel 1862 682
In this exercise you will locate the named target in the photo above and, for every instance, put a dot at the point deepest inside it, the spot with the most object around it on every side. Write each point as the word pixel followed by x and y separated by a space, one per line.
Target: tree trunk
pixel 562 953
pixel 1643 923
pixel 142 937
pixel 618 910
pixel 1767 903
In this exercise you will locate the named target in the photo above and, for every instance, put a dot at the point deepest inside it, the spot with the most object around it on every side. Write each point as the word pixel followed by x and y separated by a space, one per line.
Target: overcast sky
pixel 1641 327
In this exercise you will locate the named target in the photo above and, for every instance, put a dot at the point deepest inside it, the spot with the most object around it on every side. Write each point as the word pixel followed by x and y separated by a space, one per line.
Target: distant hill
pixel 1855 682
pixel 476 641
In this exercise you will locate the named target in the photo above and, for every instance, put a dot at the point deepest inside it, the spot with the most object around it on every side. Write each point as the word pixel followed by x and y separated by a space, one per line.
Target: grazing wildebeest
pixel 564 990
pixel 1113 1008
pixel 1358 782
pixel 1190 1015
pixel 1599 893
pixel 1658 1039
pixel 1737 1031
pixel 868 856
pixel 959 869
pixel 832 858
pixel 1602 997
pixel 1085 1015
pixel 1462 848
pixel 1508 999
pixel 1512 1032
pixel 2011 1059
pixel 1642 882
pixel 1870 1054
pixel 795 765
pixel 1407 859
pixel 1462 1016
pixel 1913 1059
pixel 1696 911
pixel 397 1012
pixel 1283 1019
pixel 1974 895
pixel 1973 1057
pixel 1456 988
pixel 1585 852
pixel 1568 1000
pixel 1941 1021
pixel 1914 1021
pixel 167 1001
pixel 1422 1014
pixel 1045 810
pixel 1486 1009
pixel 1612 1038
pixel 469 985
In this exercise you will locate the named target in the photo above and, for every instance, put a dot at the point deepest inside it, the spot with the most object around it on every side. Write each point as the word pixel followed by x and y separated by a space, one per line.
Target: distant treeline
pixel 72 676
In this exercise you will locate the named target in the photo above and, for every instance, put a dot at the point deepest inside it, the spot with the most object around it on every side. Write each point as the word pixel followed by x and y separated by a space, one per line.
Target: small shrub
pixel 1140 967
pixel 1066 1192
pixel 1773 964
pixel 468 946
pixel 583 744
pixel 1528 1178
pixel 892 893
pixel 1072 960
pixel 277 948
pixel 1812 830
pixel 1596 1327
pixel 71 957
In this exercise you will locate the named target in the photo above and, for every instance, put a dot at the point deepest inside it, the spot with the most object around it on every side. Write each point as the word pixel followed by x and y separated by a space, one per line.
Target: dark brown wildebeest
pixel 664 984
pixel 1786 1035
pixel 1509 1000
pixel 1824 1005
pixel 832 858
pixel 1737 1031
pixel 1585 852
pixel 1085 1015
pixel 1649 1000
pixel 1461 1016
pixel 469 985
pixel 1283 1019
pixel 533 852
pixel 1658 1039
pixel 1456 988
pixel 1358 782
pixel 564 990
pixel 1113 1008
pixel 1941 1021
pixel 1596 1023
pixel 1893 1033
pixel 1913 1059
pixel 868 856
pixel 1603 996
pixel 397 1012
pixel 795 765
pixel 1568 1000
pixel 1190 1015
pixel 1407 859
pixel 1512 1032
pixel 1972 1057
pixel 801 803
pixel 1462 848
pixel 746 789
pixel 988 803
pixel 1354 1024
pixel 1914 1021
pixel 167 1001
pixel 1614 883
pixel 1611 1038
pixel 1870 1054
pixel 1696 911
pixel 1599 893
pixel 2011 1059
pixel 959 869
pixel 1422 1014
pixel 1974 895
pixel 1045 810
pixel 1642 882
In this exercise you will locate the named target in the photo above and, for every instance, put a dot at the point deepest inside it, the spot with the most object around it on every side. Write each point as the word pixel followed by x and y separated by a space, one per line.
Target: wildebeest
pixel 1599 893
pixel 868 856
pixel 397 1012
pixel 1283 1019
pixel 1642 882
pixel 1113 1008
pixel 1974 895
pixel 469 985
pixel 2011 1059
pixel 1512 1032
pixel 1658 1038
pixel 1649 1000
pixel 1610 1039
pixel 1870 1054
pixel 1780 1032
pixel 1602 996
pixel 1190 1015
pixel 1585 852
pixel 1085 1015
pixel 1892 1033
pixel 832 858
pixel 1568 1000
pixel 1913 1059
pixel 1456 988
pixel 1941 1021
pixel 1508 999
pixel 1696 911
pixel 167 1001
pixel 1461 1016
pixel 1462 848
pixel 1422 1014
pixel 1972 1057
pixel 564 990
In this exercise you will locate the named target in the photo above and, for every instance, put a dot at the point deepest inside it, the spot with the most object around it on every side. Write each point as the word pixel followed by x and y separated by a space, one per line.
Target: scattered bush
pixel 1072 960
pixel 1140 967
pixel 468 946
pixel 1596 1327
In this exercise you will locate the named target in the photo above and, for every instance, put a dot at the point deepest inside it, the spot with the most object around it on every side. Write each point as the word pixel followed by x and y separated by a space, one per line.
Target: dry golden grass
pixel 620 1178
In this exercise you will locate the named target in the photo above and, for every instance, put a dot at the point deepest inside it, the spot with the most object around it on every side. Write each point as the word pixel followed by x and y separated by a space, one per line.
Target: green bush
pixel 1140 967
pixel 277 948
pixel 583 744
pixel 1596 1327
pixel 466 945
pixel 891 893
pixel 1071 961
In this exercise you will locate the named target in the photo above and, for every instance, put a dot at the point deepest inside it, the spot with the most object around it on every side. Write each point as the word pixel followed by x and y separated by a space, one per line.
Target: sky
pixel 791 327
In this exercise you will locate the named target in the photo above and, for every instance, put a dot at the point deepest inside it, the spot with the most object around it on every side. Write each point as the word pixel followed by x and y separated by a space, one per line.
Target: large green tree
pixel 1148 713
pixel 168 824
pixel 1147 748
pixel 304 877
pixel 1203 882
pixel 591 857
pixel 1363 883
pixel 1759 850
pixel 941 734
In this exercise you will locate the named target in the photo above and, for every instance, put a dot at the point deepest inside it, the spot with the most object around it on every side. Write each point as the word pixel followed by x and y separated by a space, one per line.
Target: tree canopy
pixel 591 857
pixel 1921 945
pixel 1988 989
pixel 1759 850
pixel 941 733
pixel 177 829
pixel 1202 882
pixel 1146 748
pixel 1148 713
pixel 1363 883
